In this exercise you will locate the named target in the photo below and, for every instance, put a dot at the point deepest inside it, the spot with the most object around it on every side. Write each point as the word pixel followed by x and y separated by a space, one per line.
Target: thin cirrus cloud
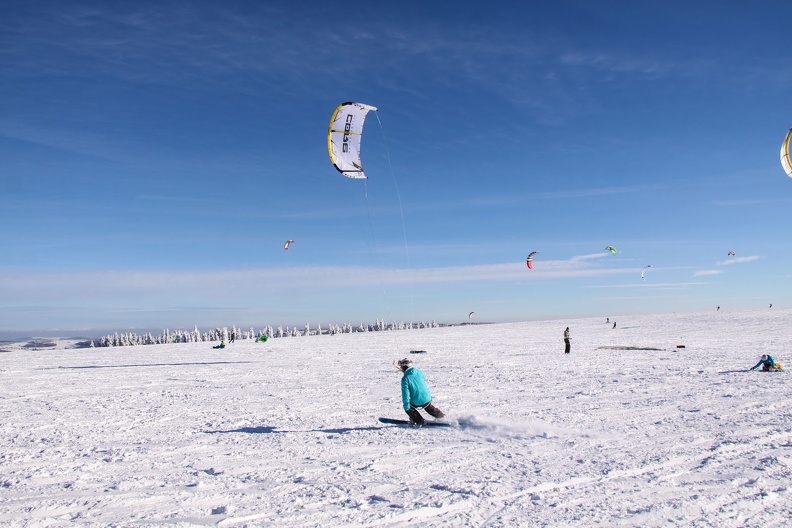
pixel 738 260
pixel 39 287
pixel 704 273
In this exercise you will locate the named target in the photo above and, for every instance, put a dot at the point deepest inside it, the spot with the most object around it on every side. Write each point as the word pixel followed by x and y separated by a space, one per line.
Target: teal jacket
pixel 415 393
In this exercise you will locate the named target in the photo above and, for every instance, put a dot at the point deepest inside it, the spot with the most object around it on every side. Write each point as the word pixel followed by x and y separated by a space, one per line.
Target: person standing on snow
pixel 566 341
pixel 766 362
pixel 415 393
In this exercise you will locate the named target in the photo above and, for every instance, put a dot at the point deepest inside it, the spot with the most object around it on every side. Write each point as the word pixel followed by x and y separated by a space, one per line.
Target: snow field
pixel 284 433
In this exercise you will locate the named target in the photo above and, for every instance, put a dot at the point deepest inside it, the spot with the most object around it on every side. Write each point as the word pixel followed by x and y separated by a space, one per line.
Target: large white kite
pixel 343 138
pixel 785 161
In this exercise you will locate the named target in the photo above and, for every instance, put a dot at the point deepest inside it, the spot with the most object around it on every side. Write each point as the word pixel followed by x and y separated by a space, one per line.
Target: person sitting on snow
pixel 221 345
pixel 415 393
pixel 766 362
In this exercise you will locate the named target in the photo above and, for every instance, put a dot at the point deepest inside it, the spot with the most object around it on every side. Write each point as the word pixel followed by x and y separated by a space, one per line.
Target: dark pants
pixel 566 346
pixel 416 417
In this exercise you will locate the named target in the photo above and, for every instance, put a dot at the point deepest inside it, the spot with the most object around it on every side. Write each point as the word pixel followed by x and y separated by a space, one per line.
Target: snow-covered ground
pixel 627 430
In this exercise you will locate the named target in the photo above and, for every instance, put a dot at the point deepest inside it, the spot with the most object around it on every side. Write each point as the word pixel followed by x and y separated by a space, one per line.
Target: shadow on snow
pixel 153 365
pixel 269 430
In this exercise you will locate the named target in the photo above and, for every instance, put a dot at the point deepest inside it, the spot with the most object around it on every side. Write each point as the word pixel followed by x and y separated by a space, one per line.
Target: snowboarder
pixel 233 336
pixel 614 325
pixel 415 393
pixel 221 345
pixel 566 341
pixel 767 363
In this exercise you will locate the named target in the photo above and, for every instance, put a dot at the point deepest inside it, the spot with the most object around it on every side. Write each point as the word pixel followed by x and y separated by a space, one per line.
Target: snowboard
pixel 407 422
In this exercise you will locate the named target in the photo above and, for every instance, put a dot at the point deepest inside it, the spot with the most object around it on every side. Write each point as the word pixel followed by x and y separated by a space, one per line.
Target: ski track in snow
pixel 285 433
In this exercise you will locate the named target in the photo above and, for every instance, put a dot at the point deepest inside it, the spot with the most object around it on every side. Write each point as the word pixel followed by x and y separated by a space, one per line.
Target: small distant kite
pixel 644 271
pixel 611 249
pixel 786 162
pixel 470 315
pixel 731 253
pixel 287 244
pixel 529 260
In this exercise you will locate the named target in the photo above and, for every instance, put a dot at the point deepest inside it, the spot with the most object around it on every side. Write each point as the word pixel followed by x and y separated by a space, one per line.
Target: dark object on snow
pixel 417 351
pixel 407 422
pixel 680 346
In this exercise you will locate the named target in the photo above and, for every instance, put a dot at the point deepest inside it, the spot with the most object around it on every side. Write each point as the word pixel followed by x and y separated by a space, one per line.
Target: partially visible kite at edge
pixel 786 162
pixel 529 260
pixel 611 249
pixel 343 138
pixel 287 244
pixel 644 271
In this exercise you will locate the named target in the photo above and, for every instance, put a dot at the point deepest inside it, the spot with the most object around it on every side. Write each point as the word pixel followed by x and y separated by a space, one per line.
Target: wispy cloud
pixel 652 286
pixel 737 203
pixel 619 62
pixel 106 286
pixel 589 256
pixel 738 260
pixel 702 273
pixel 500 200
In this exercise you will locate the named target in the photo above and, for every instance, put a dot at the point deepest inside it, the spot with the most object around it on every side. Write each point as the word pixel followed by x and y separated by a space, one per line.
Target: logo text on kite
pixel 347 128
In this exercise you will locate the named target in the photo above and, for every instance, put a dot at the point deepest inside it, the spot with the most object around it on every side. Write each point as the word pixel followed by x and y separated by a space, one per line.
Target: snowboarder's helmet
pixel 405 363
pixel 764 357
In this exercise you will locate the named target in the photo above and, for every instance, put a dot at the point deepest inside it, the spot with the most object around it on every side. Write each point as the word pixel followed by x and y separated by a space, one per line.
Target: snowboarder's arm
pixel 405 388
pixel 755 366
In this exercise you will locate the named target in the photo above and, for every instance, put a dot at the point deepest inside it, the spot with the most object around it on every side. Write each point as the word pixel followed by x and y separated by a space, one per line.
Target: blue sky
pixel 155 156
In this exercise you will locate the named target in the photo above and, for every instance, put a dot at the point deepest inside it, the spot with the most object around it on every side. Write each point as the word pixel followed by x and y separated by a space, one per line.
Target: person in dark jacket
pixel 566 341
pixel 415 393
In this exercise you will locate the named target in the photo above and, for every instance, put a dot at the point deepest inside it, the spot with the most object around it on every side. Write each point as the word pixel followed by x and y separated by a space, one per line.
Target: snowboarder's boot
pixel 434 411
pixel 415 417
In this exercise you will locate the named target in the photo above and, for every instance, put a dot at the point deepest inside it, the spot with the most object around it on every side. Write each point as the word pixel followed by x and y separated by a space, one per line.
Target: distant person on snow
pixel 767 363
pixel 614 324
pixel 415 393
pixel 221 345
pixel 566 341
pixel 233 336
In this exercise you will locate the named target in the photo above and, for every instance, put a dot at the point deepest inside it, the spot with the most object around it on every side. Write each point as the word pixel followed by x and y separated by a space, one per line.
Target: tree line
pixel 224 334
